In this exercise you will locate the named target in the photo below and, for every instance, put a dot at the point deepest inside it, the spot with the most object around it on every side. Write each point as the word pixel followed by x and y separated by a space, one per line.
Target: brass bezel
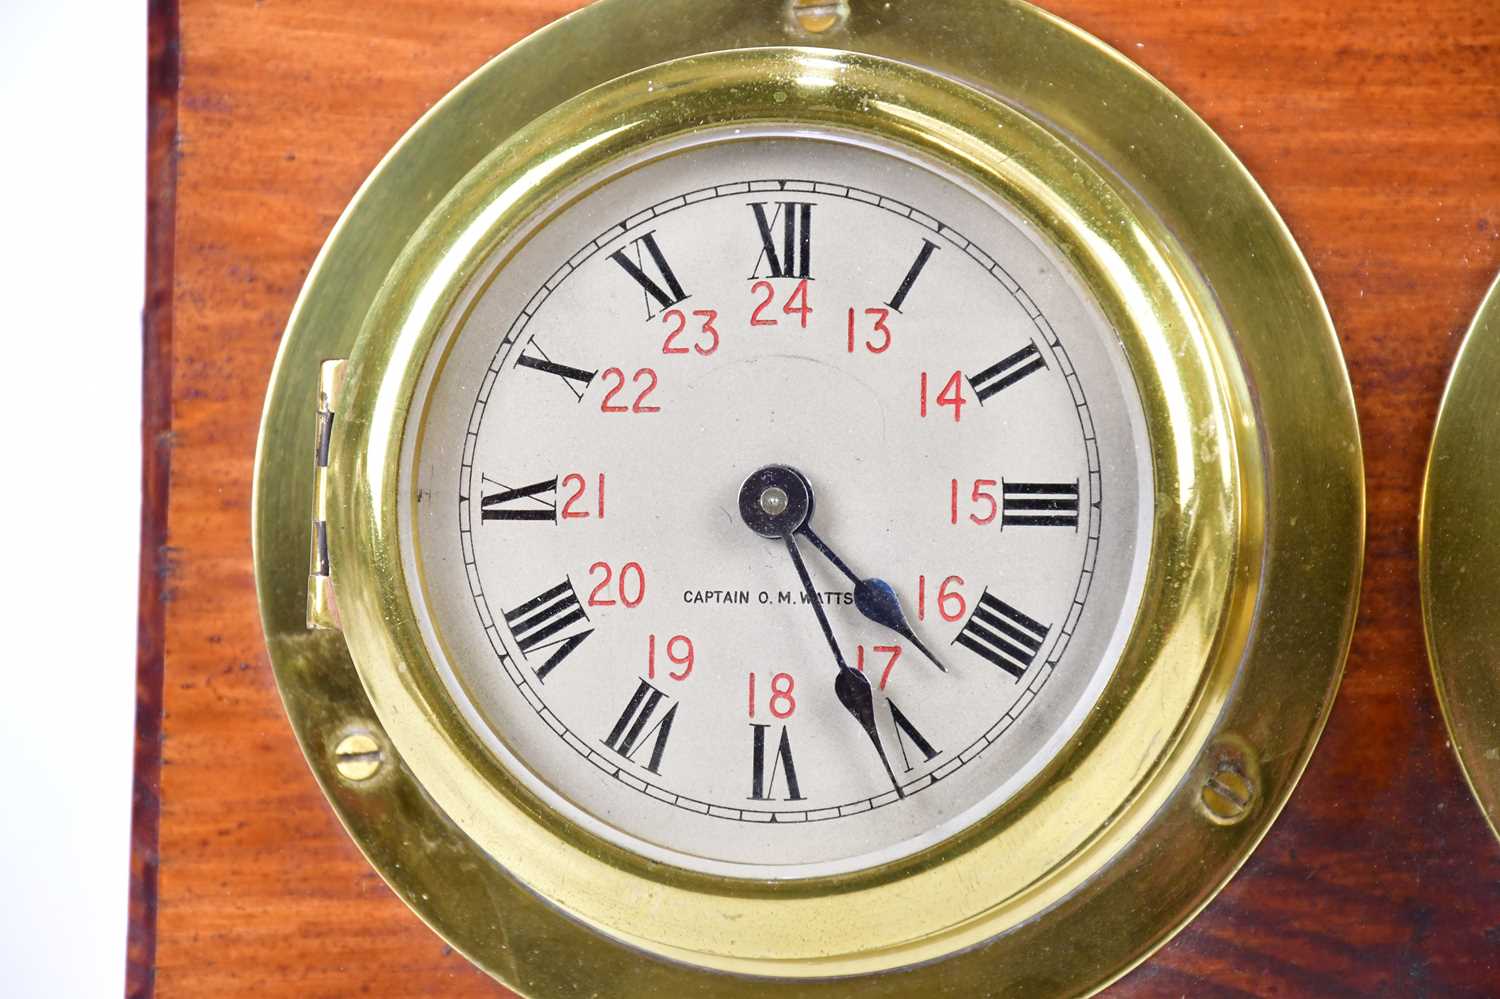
pixel 1257 549
pixel 1459 548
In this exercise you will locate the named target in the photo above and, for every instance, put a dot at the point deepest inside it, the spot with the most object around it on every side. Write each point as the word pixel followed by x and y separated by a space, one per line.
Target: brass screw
pixel 357 757
pixel 1229 792
pixel 818 16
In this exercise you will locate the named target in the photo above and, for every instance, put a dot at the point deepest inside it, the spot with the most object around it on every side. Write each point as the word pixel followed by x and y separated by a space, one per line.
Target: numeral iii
pixel 1039 504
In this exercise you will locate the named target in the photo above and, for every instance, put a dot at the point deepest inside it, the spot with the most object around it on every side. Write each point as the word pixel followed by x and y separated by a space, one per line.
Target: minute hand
pixel 874 598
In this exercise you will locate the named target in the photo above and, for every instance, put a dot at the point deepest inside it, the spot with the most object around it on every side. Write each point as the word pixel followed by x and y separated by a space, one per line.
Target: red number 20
pixel 631 587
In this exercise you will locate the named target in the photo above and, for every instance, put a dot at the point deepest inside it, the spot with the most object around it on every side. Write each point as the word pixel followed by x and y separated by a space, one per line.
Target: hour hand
pixel 850 686
pixel 875 599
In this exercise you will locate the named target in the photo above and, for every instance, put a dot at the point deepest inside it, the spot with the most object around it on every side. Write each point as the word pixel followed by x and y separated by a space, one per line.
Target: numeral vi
pixel 763 781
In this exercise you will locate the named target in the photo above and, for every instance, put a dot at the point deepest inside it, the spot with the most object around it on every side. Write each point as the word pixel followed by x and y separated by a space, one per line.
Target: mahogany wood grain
pixel 1374 126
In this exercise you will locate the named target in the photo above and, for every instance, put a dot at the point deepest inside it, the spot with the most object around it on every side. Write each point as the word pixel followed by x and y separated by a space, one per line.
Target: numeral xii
pixel 792 255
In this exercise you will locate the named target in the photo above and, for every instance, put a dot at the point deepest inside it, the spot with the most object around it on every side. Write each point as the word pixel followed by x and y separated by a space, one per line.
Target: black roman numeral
pixel 576 379
pixel 904 728
pixel 794 259
pixel 537 501
pixel 1007 371
pixel 646 248
pixel 899 299
pixel 1039 504
pixel 537 624
pixel 634 726
pixel 763 784
pixel 1003 635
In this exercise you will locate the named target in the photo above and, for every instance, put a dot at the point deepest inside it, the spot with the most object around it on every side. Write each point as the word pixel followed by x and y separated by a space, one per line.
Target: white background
pixel 72 265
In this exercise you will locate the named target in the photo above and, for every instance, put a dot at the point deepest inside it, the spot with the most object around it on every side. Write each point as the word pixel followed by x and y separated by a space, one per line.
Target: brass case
pixel 1458 550
pixel 1256 548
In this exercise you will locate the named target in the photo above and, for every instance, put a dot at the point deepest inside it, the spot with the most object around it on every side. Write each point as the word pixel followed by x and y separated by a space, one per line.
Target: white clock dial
pixel 840 320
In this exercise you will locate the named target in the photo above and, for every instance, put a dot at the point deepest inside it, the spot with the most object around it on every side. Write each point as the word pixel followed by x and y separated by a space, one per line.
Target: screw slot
pixel 1230 790
pixel 817 17
pixel 358 757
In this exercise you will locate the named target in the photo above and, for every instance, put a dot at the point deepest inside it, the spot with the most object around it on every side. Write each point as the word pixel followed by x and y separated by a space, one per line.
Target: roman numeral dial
pixel 653 661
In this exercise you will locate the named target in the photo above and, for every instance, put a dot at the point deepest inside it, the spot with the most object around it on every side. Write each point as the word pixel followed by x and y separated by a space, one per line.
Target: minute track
pixel 932 762
pixel 516 340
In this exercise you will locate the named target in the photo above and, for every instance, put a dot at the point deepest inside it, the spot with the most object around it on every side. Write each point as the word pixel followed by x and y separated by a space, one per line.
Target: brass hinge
pixel 322 609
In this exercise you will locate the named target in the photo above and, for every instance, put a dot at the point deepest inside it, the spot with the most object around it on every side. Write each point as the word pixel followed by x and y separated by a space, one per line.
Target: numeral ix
pixel 537 501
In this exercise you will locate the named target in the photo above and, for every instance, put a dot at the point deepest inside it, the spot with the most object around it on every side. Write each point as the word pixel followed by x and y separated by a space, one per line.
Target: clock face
pixel 777 505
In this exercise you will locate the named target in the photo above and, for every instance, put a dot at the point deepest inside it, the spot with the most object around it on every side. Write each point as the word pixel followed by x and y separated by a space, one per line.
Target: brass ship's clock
pixel 1460 540
pixel 851 498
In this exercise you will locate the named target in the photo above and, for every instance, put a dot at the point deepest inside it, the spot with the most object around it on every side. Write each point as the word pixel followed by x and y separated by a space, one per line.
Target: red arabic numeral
pixel 648 375
pixel 980 496
pixel 894 651
pixel 579 485
pixel 769 290
pixel 802 310
pixel 631 578
pixel 951 603
pixel 679 650
pixel 952 394
pixel 783 700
